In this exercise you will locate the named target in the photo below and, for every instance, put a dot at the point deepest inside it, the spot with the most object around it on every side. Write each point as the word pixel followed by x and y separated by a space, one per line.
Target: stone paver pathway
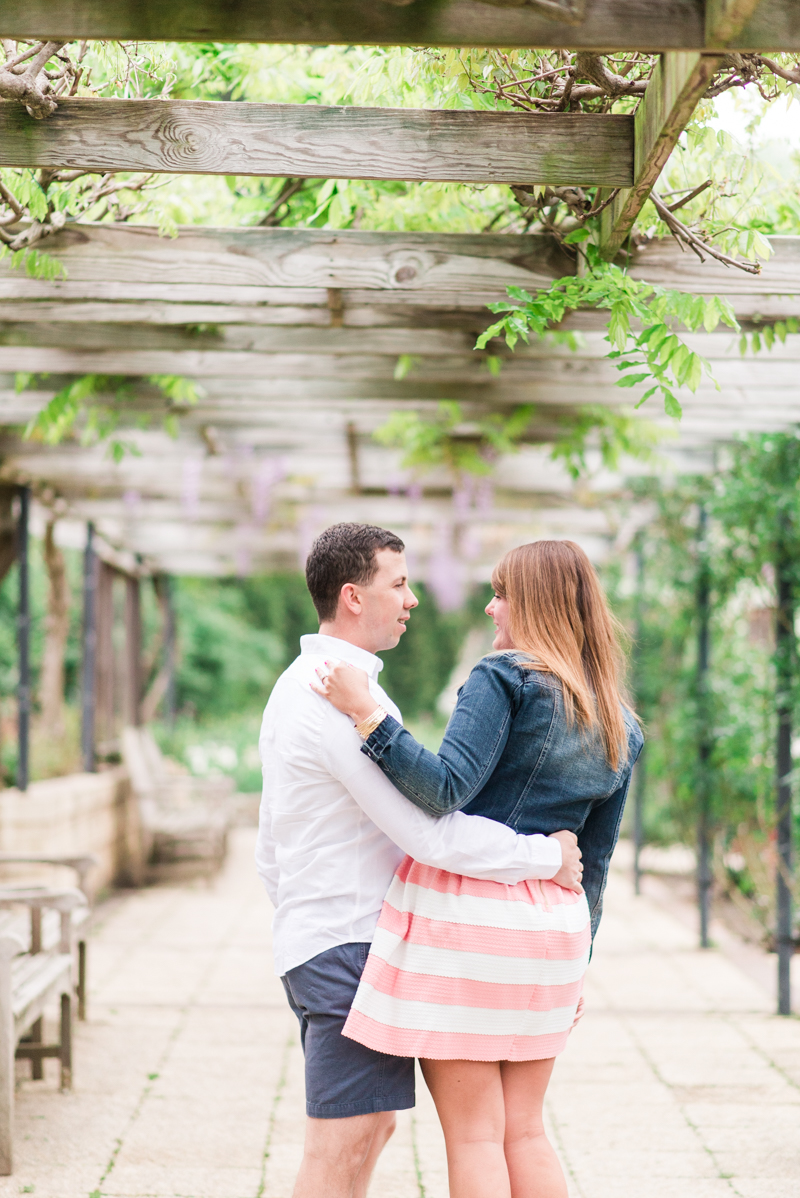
pixel 679 1083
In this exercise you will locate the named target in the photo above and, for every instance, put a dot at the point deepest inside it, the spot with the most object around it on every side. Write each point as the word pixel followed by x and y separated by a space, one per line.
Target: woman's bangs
pixel 498 581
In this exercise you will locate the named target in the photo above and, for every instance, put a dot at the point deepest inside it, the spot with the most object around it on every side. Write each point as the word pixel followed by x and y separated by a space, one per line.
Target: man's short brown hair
pixel 344 553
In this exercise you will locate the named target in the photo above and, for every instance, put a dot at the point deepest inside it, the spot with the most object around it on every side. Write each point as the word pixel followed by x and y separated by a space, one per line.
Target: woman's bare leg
pixel 533 1167
pixel 470 1102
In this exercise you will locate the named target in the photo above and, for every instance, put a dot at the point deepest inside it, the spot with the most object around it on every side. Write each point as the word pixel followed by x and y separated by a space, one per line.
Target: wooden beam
pixel 615 24
pixel 264 268
pixel 605 24
pixel 317 141
pixel 725 19
pixel 772 25
pixel 288 265
pixel 233 338
pixel 678 83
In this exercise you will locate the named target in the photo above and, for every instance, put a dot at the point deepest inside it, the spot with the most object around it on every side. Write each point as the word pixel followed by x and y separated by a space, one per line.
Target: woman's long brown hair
pixel 559 616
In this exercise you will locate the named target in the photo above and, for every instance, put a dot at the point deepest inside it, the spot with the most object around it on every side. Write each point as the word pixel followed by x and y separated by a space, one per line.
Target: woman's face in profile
pixel 497 609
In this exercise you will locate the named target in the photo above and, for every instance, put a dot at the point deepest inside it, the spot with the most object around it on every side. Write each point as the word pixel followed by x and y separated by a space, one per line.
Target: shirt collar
pixel 330 646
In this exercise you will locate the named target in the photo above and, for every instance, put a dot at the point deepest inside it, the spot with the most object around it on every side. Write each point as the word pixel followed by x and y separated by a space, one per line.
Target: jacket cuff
pixel 378 741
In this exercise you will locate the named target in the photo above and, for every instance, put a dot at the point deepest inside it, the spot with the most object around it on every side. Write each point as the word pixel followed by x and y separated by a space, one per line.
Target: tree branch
pixel 685 237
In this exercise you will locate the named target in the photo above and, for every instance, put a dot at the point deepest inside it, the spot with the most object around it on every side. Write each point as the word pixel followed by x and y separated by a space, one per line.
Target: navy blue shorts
pixel 343 1077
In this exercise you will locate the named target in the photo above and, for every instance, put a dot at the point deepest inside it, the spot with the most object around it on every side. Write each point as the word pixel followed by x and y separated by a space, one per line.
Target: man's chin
pixel 393 640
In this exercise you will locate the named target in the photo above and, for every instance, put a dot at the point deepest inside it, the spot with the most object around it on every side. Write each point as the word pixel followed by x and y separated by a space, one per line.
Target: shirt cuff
pixel 549 855
pixel 378 741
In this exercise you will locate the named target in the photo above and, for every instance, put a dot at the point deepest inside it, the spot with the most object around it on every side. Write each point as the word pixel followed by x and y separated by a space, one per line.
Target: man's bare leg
pixel 383 1133
pixel 340 1154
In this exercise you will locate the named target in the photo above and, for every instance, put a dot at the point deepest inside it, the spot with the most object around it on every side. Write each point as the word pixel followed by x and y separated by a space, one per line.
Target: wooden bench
pixel 18 925
pixel 185 819
pixel 29 981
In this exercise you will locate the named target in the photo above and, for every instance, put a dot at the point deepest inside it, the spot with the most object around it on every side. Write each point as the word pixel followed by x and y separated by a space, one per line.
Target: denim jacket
pixel 509 754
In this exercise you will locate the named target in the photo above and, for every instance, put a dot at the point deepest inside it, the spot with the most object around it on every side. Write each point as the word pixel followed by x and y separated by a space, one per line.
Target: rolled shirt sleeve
pixel 463 844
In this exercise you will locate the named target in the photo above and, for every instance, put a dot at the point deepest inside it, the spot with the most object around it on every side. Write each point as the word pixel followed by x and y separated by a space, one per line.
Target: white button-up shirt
pixel 333 829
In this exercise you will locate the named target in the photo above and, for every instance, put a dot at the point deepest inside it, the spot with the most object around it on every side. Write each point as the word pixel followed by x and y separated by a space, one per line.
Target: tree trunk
pixel 51 695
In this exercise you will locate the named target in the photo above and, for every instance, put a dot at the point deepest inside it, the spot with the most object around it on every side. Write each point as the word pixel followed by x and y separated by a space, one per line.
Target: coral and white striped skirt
pixel 472 971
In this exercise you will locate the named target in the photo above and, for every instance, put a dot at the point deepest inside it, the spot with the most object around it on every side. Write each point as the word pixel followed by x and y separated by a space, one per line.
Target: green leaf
pixel 631 380
pixel 178 390
pixel 671 405
pixel 405 364
pixel 577 235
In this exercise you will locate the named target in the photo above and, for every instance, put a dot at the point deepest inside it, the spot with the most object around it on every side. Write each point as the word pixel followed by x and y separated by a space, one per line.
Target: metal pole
pixel 704 834
pixel 89 675
pixel 23 644
pixel 639 769
pixel 170 648
pixel 639 784
pixel 785 651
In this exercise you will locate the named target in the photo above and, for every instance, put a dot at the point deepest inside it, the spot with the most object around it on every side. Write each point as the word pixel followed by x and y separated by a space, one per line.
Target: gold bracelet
pixel 368 726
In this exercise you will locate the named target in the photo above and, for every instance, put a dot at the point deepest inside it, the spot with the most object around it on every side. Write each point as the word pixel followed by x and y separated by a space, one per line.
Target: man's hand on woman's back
pixel 571 873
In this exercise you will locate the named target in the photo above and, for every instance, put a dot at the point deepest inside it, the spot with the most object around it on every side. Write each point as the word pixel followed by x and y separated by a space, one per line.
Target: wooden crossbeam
pixel 261 271
pixel 288 265
pixel 318 141
pixel 372 375
pixel 604 24
pixel 102 336
pixel 678 83
pixel 359 313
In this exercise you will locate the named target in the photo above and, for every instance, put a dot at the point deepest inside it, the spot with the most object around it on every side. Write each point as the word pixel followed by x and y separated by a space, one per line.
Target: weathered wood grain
pixel 756 24
pixel 296 266
pixel 360 315
pixel 236 338
pixel 403 263
pixel 317 141
pixel 608 24
pixel 725 18
pixel 524 369
pixel 613 24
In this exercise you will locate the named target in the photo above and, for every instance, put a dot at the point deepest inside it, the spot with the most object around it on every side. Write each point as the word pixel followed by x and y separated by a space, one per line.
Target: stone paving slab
pixel 678 1083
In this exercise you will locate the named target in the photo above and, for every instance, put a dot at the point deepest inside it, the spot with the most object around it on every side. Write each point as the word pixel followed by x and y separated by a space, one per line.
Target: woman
pixel 482 981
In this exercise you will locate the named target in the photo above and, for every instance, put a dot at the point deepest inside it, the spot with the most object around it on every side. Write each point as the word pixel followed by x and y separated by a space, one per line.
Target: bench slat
pixel 52 977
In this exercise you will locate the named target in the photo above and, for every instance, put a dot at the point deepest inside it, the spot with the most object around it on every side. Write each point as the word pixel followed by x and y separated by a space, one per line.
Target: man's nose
pixel 412 600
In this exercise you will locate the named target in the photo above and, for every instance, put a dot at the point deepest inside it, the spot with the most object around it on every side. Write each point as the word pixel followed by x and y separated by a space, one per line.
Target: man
pixel 332 831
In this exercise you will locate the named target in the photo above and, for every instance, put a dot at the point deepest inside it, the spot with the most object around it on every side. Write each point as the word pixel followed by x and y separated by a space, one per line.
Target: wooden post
pixel 65 1054
pixel 9 947
pixel 678 82
pixel 104 656
pixel 8 530
pixel 785 660
pixel 23 643
pixel 37 1027
pixel 133 651
pixel 89 680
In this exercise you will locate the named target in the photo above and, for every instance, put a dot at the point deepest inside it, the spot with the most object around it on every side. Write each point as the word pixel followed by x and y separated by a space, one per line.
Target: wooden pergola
pixel 295 339
pixel 302 341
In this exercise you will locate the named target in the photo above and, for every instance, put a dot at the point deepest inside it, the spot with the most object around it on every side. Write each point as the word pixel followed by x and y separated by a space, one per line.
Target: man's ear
pixel 350 599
